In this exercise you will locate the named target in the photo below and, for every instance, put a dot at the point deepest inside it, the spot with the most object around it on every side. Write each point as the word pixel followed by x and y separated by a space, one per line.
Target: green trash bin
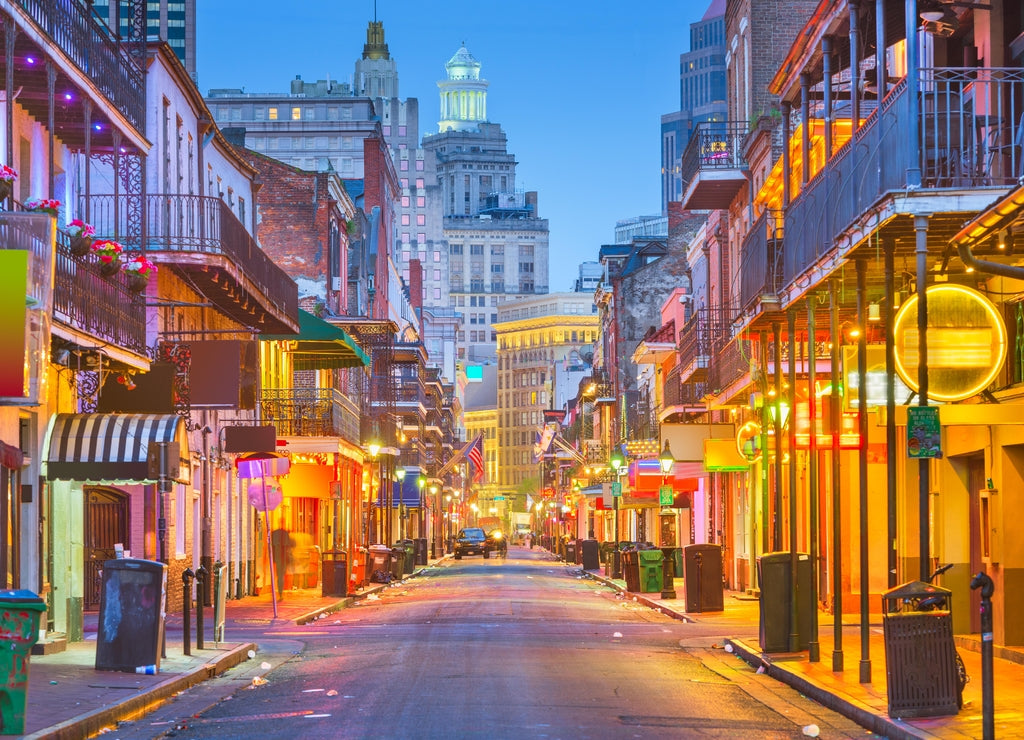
pixel 651 570
pixel 20 612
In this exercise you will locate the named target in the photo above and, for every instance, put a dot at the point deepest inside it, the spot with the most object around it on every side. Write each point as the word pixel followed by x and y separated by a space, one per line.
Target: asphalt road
pixel 520 648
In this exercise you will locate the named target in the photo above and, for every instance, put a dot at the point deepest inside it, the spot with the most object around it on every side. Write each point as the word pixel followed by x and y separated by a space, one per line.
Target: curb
pixel 91 723
pixel 864 717
pixel 642 599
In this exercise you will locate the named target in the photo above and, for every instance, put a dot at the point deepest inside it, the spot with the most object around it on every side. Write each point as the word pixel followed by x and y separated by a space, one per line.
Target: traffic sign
pixel 665 496
pixel 499 498
pixel 616 488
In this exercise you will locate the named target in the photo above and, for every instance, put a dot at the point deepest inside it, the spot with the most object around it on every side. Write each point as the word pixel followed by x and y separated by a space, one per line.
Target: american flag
pixel 475 455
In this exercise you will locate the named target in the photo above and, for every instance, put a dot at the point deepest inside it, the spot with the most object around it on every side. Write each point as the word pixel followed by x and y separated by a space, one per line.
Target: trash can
pixel 20 612
pixel 920 656
pixel 652 572
pixel 130 631
pixel 409 555
pixel 378 564
pixel 334 573
pixel 774 575
pixel 702 578
pixel 590 555
pixel 420 550
pixel 630 568
pixel 570 551
pixel 398 563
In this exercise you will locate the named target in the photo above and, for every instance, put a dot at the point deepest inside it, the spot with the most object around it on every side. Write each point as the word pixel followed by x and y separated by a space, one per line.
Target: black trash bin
pixel 590 555
pixel 378 564
pixel 398 563
pixel 630 568
pixel 702 578
pixel 130 630
pixel 774 575
pixel 570 551
pixel 920 655
pixel 420 550
pixel 409 552
pixel 334 573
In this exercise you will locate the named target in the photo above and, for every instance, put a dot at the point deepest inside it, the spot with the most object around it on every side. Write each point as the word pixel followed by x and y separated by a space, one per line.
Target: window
pixel 401 130
pixel 421 201
pixel 405 201
pixel 405 219
pixel 421 219
pixel 296 114
pixel 455 249
pixel 386 130
pixel 404 165
pixel 272 114
pixel 476 250
pixel 437 255
pixel 419 165
pixel 421 239
pixel 419 183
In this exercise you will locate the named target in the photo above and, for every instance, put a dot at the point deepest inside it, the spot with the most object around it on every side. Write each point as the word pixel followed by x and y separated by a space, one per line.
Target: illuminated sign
pixel 966 342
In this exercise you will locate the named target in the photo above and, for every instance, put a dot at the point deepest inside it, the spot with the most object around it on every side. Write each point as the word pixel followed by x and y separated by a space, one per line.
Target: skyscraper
pixel 174 21
pixel 497 244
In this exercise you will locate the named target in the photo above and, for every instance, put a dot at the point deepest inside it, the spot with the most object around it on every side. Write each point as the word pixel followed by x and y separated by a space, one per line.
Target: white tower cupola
pixel 463 94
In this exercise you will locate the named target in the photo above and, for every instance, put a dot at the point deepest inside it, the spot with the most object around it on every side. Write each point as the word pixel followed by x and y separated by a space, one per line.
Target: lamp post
pixel 616 461
pixel 421 481
pixel 402 513
pixel 374 450
pixel 668 564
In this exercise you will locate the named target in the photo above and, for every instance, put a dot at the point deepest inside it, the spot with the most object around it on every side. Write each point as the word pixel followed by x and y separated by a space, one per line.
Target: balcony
pixel 201 238
pixel 311 412
pixel 706 331
pixel 761 263
pixel 682 396
pixel 729 371
pixel 102 62
pixel 712 165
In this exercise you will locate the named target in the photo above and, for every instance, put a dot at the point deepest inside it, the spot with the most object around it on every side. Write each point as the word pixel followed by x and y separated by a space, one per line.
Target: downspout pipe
pixel 996 217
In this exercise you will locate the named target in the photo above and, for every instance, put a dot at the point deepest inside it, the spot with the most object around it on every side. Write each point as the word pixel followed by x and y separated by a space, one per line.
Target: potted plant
pixel 43 205
pixel 108 252
pixel 81 235
pixel 7 177
pixel 138 268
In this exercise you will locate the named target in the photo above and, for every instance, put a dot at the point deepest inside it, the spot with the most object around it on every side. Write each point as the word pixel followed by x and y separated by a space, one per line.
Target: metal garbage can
pixel 702 578
pixel 409 555
pixel 651 570
pixel 920 655
pixel 570 551
pixel 630 568
pixel 398 563
pixel 334 573
pixel 130 630
pixel 590 555
pixel 420 550
pixel 774 575
pixel 20 612
pixel 378 564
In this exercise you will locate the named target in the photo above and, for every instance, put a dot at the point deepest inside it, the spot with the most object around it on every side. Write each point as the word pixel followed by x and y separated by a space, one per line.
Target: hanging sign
pixel 924 433
pixel 665 496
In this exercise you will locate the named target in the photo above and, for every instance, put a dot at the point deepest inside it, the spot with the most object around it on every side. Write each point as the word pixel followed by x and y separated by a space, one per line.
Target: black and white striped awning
pixel 112 447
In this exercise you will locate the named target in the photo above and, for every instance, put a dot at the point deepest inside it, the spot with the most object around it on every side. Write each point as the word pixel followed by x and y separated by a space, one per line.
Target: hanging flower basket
pixel 139 268
pixel 43 205
pixel 108 254
pixel 7 177
pixel 81 235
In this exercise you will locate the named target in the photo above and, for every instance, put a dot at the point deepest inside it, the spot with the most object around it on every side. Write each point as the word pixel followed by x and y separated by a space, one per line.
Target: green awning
pixel 320 345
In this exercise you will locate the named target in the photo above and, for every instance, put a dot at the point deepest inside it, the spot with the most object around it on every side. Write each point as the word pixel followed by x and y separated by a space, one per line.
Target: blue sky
pixel 578 87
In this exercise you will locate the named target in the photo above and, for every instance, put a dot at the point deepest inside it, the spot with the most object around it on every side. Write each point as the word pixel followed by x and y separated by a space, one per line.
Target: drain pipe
pixel 997 216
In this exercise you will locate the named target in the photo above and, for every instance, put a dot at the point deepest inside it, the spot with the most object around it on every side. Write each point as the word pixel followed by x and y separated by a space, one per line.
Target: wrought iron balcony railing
pixel 761 260
pixel 311 412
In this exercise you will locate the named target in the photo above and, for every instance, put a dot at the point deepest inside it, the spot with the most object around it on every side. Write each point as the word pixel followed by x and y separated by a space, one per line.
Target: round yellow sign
pixel 966 342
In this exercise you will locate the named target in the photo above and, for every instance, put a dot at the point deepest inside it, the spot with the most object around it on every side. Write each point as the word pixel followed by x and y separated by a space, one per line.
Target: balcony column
pixel 881 73
pixel 912 132
pixel 787 165
pixel 862 472
pixel 854 67
pixel 794 610
pixel 805 139
pixel 10 36
pixel 777 337
pixel 888 313
pixel 766 416
pixel 814 649
pixel 51 91
pixel 834 484
pixel 87 123
pixel 924 463
pixel 117 182
pixel 826 65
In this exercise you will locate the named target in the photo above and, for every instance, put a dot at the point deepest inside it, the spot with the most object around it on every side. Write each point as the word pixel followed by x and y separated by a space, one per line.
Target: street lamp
pixel 402 513
pixel 616 461
pixel 668 563
pixel 374 447
pixel 421 481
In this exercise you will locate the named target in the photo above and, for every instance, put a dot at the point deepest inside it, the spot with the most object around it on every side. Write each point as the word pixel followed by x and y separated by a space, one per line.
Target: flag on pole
pixel 475 455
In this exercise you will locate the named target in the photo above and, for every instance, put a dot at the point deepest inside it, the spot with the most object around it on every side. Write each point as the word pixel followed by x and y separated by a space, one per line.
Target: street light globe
pixel 617 460
pixel 666 459
pixel 374 448
pixel 421 481
pixel 400 474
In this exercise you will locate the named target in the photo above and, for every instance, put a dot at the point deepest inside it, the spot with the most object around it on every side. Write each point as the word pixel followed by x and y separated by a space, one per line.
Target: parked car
pixel 471 541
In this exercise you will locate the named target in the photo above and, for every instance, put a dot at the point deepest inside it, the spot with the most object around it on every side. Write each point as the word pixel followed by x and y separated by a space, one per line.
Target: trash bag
pixel 380 576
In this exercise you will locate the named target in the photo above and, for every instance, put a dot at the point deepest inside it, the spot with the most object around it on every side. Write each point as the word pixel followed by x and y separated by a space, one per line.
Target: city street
pixel 491 648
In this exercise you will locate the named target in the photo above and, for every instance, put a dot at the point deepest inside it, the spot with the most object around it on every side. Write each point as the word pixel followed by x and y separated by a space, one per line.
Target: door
pixel 106 524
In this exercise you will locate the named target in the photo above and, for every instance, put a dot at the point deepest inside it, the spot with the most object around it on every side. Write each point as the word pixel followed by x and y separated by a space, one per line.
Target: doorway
pixel 106 524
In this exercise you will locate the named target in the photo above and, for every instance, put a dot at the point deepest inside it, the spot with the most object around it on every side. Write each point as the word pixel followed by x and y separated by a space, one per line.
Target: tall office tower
pixel 701 96
pixel 535 335
pixel 497 244
pixel 376 72
pixel 172 20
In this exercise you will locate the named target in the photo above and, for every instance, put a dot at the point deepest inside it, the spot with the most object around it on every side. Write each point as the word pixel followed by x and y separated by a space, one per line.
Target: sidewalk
pixel 69 699
pixel 841 691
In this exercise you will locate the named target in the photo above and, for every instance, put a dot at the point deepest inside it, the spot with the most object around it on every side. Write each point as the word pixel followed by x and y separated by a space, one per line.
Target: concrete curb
pixel 641 598
pixel 91 723
pixel 845 706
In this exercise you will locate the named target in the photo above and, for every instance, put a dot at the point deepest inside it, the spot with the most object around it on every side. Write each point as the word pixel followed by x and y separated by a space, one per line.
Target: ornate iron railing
pixel 761 260
pixel 715 145
pixel 311 412
pixel 104 60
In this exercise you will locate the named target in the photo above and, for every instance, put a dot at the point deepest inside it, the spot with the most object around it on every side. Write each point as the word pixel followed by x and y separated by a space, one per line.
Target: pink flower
pixel 80 228
pixel 139 264
pixel 107 250
pixel 44 205
pixel 8 174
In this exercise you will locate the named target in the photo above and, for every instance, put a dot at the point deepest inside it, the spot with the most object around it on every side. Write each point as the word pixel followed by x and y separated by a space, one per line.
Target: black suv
pixel 472 541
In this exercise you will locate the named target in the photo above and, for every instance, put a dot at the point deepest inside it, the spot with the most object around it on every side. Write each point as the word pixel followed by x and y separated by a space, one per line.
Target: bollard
pixel 186 600
pixel 982 581
pixel 668 581
pixel 201 576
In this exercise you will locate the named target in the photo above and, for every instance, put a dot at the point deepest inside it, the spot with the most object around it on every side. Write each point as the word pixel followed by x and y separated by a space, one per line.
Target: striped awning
pixel 112 447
